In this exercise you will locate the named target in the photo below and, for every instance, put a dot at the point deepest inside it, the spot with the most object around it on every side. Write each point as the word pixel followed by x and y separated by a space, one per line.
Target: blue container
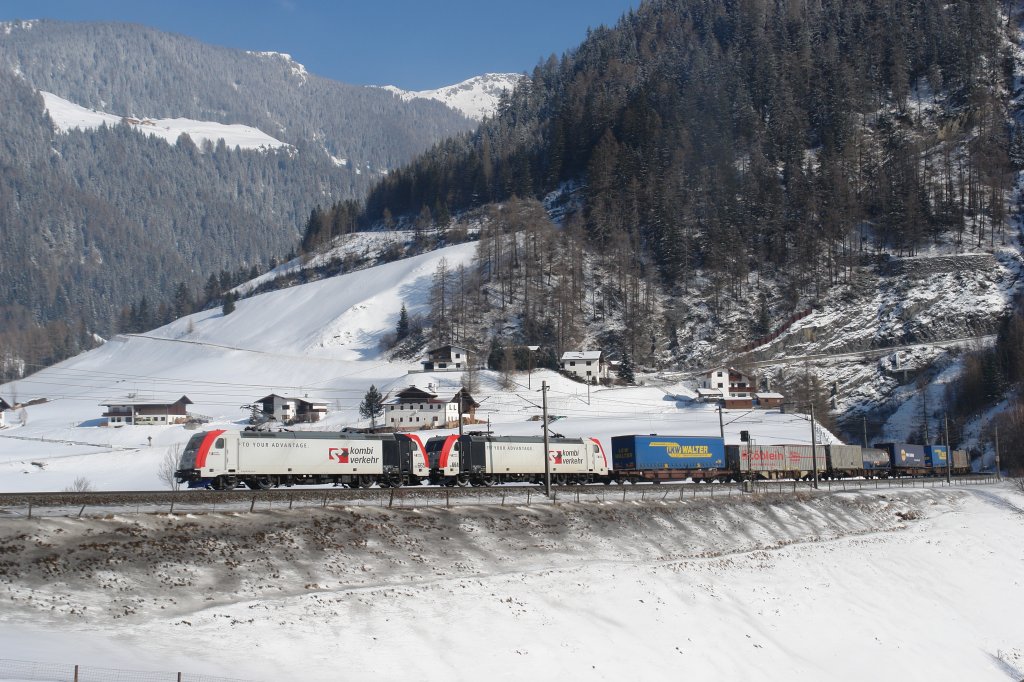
pixel 936 455
pixel 905 455
pixel 875 459
pixel 632 453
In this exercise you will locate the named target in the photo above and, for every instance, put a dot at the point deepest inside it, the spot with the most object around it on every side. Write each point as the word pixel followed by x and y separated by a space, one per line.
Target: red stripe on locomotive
pixel 204 448
pixel 446 450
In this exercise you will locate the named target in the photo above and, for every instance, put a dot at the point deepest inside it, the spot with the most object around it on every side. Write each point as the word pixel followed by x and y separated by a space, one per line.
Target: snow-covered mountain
pixel 476 97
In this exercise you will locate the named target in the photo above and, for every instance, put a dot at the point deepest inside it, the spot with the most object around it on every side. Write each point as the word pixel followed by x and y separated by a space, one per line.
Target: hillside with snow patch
pixel 69 116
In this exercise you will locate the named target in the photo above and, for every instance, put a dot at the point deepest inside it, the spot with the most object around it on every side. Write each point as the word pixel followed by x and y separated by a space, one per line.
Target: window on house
pixel 588 365
pixel 572 363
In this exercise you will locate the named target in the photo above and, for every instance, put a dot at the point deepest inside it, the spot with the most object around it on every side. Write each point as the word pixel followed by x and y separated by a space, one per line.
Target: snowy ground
pixel 888 585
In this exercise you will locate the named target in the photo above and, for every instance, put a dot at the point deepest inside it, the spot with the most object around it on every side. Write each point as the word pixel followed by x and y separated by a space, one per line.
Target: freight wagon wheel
pixel 462 480
pixel 487 480
pixel 259 482
pixel 217 483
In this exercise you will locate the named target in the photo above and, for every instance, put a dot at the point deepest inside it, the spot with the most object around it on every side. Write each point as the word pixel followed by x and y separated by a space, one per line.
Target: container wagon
pixel 663 458
pixel 936 456
pixel 772 461
pixel 877 463
pixel 906 459
pixel 961 462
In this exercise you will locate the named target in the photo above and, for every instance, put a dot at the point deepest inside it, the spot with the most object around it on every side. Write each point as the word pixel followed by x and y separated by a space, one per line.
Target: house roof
pixel 709 393
pixel 418 395
pixel 582 355
pixel 308 401
pixel 723 368
pixel 442 349
pixel 148 400
pixel 769 396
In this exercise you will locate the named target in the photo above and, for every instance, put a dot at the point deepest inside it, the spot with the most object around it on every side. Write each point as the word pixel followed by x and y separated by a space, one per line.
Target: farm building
pixel 730 381
pixel 446 359
pixel 134 410
pixel 290 410
pixel 416 408
pixel 589 365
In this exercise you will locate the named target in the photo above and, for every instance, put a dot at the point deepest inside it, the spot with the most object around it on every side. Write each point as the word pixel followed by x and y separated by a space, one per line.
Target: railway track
pixel 22 505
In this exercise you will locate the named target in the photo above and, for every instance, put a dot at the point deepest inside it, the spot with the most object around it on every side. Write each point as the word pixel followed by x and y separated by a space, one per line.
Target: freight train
pixel 224 459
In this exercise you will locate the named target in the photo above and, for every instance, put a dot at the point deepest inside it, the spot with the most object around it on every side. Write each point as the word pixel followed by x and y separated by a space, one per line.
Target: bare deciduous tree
pixel 79 485
pixel 168 465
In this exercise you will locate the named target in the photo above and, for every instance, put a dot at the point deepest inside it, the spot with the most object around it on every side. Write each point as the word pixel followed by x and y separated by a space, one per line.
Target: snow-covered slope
pixel 68 116
pixel 320 339
pixel 476 97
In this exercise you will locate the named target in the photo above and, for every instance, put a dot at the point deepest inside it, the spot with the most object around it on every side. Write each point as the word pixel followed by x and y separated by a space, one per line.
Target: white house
pixel 288 410
pixel 415 408
pixel 146 411
pixel 588 365
pixel 730 381
pixel 446 359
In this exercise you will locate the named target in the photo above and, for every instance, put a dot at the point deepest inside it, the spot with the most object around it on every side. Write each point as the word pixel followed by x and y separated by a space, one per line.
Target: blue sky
pixel 413 44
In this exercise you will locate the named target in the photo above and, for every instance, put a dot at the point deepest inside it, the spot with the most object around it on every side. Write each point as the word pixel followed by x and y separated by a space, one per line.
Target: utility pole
pixel 999 473
pixel 721 425
pixel 814 449
pixel 460 412
pixel 949 451
pixel 865 419
pixel 544 421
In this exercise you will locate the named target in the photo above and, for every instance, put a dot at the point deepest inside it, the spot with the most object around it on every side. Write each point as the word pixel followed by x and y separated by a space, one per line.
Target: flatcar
pixel 223 459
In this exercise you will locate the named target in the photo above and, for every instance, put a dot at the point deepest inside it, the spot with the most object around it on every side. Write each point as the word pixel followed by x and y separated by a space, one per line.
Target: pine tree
pixel 372 406
pixel 229 302
pixel 402 329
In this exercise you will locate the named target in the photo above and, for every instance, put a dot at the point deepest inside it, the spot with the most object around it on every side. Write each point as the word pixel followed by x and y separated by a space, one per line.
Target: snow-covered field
pixel 890 585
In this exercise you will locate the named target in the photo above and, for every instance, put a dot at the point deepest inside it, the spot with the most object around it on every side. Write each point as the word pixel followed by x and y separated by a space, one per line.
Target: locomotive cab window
pixel 219 444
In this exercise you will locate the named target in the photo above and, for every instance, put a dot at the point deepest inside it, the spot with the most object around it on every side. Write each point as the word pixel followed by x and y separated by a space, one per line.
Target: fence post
pixel 30 510
pixel 391 500
pixel 527 497
pixel 253 505
pixel 172 507
pixel 76 672
pixel 81 511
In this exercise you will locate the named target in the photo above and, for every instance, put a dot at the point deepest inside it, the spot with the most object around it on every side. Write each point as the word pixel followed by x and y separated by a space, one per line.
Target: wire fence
pixel 23 671
pixel 203 502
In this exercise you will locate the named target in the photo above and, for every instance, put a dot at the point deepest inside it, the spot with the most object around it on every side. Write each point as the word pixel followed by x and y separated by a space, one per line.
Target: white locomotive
pixel 486 460
pixel 223 459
